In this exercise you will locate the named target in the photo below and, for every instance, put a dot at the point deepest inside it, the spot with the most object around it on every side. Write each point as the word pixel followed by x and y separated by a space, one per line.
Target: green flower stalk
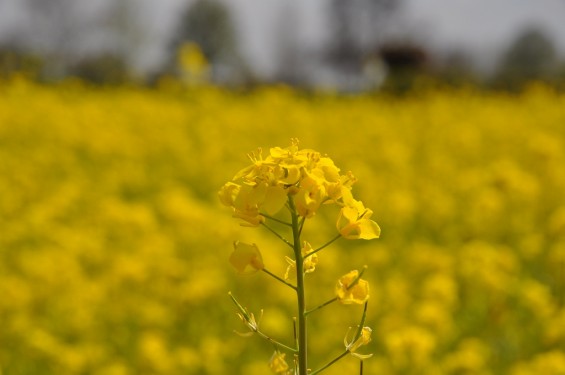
pixel 300 181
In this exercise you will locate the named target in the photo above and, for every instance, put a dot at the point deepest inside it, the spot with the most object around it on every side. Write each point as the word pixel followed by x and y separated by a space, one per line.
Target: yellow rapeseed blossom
pixel 348 294
pixel 548 363
pixel 105 203
pixel 410 347
pixel 312 179
pixel 278 364
pixel 246 258
pixel 193 64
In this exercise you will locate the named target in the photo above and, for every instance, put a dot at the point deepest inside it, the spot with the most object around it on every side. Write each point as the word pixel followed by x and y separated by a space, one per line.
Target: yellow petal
pixel 278 364
pixel 368 229
pixel 275 199
pixel 357 294
pixel 246 258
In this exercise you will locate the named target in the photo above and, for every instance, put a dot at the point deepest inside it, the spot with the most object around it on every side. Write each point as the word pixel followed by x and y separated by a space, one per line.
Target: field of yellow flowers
pixel 114 247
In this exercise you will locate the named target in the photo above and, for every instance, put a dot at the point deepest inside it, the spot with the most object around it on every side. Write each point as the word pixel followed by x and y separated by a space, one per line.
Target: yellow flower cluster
pixel 312 179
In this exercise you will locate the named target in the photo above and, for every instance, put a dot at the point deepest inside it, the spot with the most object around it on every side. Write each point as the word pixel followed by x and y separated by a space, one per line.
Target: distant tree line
pixel 358 56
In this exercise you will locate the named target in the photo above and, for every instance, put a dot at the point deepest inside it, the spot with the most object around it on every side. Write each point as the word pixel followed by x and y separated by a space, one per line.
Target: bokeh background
pixel 119 122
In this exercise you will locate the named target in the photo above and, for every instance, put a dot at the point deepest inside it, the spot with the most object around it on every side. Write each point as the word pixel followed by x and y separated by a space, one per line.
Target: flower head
pixel 246 258
pixel 264 187
pixel 351 289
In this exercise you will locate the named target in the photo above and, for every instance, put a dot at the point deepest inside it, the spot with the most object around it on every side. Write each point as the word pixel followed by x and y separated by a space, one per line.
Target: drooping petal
pixel 228 193
pixel 368 229
pixel 247 203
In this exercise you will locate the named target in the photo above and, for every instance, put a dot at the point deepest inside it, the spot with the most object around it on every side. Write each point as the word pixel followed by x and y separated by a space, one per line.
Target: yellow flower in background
pixel 410 346
pixel 278 364
pixel 192 63
pixel 348 294
pixel 246 258
pixel 547 363
pixel 162 173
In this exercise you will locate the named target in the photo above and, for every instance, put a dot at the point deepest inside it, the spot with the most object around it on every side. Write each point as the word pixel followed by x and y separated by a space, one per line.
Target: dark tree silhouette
pixel 358 27
pixel 532 56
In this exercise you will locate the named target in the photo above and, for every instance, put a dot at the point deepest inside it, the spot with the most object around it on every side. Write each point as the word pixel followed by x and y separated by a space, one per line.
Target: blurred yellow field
pixel 114 247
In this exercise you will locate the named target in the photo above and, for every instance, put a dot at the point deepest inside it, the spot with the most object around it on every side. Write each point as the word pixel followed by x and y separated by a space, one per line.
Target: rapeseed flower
pixel 263 187
pixel 354 220
pixel 246 258
pixel 363 339
pixel 351 289
pixel 278 364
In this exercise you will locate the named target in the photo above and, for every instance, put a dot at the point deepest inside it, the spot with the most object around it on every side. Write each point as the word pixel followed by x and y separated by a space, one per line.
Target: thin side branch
pixel 278 278
pixel 278 235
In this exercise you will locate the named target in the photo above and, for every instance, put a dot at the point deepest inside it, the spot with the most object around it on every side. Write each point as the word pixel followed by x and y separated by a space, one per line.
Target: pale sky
pixel 484 26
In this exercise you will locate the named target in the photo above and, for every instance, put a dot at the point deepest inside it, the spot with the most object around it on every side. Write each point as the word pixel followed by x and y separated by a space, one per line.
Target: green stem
pixel 330 363
pixel 278 278
pixel 275 342
pixel 324 245
pixel 360 328
pixel 346 351
pixel 302 220
pixel 278 235
pixel 353 283
pixel 300 290
pixel 275 219
pixel 320 306
pixel 254 326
